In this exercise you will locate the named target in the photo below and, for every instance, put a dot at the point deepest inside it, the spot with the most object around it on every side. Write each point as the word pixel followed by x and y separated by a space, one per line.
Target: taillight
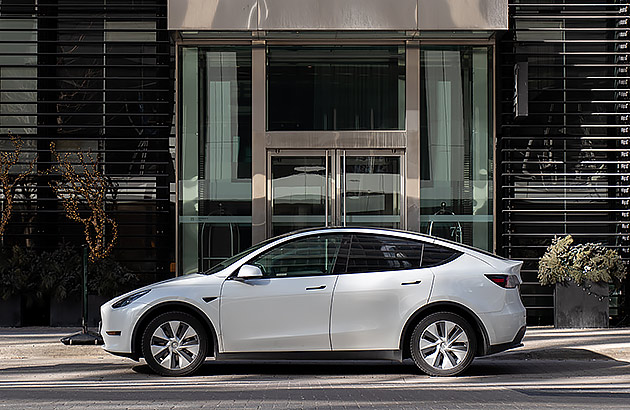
pixel 505 281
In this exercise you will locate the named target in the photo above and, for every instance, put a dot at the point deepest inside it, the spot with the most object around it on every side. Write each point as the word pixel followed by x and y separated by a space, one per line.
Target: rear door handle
pixel 415 282
pixel 317 287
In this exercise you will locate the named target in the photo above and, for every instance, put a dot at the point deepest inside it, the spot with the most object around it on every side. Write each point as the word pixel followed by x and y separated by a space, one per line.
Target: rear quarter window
pixel 435 255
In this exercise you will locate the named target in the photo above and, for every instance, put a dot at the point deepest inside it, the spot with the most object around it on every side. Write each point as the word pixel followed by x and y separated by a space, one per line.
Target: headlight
pixel 127 300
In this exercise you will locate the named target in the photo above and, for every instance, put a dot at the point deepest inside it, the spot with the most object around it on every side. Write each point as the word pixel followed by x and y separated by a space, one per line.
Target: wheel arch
pixel 452 307
pixel 136 338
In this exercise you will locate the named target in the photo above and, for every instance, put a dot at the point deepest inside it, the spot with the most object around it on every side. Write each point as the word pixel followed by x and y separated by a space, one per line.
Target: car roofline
pixel 403 233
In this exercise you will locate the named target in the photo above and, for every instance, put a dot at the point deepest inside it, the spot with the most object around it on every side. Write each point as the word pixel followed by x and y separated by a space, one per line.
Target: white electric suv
pixel 330 293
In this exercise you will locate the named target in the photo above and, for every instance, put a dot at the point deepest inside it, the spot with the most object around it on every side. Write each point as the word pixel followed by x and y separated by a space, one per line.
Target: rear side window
pixel 376 253
pixel 435 255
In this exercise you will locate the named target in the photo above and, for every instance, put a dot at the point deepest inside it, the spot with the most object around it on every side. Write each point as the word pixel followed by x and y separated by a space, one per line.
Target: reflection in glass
pixel 18 78
pixel 456 144
pixel 311 256
pixel 300 187
pixel 215 166
pixel 335 88
pixel 371 189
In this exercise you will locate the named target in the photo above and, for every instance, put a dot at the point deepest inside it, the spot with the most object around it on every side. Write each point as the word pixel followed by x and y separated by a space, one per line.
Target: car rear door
pixel 381 286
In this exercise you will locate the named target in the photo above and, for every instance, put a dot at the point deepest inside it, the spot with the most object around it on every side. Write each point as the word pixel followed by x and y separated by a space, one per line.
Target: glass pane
pixel 435 255
pixel 372 191
pixel 456 144
pixel 215 185
pixel 18 78
pixel 304 257
pixel 335 88
pixel 299 190
pixel 383 253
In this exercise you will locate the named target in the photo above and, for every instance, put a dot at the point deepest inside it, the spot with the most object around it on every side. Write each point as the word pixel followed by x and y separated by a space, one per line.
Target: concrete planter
pixel 11 311
pixel 575 308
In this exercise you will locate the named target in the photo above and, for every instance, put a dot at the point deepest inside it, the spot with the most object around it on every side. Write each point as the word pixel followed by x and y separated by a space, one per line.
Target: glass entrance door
pixel 334 188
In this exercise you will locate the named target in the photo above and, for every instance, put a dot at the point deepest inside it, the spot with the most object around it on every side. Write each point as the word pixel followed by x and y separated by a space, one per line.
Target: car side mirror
pixel 249 272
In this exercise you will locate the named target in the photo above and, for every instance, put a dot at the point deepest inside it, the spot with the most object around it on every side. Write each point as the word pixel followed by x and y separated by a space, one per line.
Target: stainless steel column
pixel 259 155
pixel 412 163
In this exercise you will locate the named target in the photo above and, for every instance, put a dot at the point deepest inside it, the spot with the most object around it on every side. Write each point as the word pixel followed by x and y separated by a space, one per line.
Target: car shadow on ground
pixel 525 363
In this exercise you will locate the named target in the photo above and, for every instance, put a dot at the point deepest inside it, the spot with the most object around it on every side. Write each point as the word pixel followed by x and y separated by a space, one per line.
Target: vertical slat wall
pixel 93 75
pixel 564 168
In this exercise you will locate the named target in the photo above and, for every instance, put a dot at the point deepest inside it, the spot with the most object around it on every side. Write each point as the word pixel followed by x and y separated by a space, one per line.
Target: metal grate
pixel 93 75
pixel 564 168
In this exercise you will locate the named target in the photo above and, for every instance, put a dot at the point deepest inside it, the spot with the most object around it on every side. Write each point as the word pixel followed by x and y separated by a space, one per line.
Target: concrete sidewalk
pixel 540 343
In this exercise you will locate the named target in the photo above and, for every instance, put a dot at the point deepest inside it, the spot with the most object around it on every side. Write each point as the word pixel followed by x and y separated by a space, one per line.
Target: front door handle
pixel 415 282
pixel 317 287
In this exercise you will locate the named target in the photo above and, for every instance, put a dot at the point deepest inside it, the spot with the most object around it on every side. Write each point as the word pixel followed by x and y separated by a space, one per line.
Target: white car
pixel 329 293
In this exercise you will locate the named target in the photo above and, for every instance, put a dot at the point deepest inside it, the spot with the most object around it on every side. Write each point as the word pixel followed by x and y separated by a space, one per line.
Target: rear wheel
pixel 443 344
pixel 174 344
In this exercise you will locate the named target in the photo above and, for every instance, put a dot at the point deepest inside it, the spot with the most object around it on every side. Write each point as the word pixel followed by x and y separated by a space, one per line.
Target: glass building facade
pixel 365 130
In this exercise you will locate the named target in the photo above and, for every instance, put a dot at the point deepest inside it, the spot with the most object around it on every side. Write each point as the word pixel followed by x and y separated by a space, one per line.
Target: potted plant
pixel 582 275
pixel 62 279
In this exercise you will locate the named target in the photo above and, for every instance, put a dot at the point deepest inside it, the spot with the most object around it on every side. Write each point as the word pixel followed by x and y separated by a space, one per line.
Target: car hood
pixel 193 279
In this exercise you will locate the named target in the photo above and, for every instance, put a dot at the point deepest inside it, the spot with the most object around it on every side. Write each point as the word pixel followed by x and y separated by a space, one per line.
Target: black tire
pixel 448 344
pixel 174 344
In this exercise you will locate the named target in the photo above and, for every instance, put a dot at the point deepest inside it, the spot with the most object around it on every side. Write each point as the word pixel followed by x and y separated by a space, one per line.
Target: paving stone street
pixel 570 369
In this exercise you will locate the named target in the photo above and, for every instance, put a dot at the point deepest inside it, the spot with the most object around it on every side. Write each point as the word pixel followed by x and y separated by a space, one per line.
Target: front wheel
pixel 443 344
pixel 174 344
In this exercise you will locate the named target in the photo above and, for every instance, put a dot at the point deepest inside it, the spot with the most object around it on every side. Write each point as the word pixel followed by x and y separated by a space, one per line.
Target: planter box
pixel 11 311
pixel 575 308
pixel 68 312
pixel 65 312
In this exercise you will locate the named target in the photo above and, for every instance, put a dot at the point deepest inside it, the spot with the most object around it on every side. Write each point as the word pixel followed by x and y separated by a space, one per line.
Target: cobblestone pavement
pixel 555 369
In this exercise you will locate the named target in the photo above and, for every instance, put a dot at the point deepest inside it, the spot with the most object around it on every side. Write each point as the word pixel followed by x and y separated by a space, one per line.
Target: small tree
pixel 86 190
pixel 9 180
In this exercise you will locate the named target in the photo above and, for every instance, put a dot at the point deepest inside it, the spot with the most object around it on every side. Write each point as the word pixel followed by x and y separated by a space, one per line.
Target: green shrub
pixel 107 277
pixel 62 272
pixel 59 274
pixel 19 273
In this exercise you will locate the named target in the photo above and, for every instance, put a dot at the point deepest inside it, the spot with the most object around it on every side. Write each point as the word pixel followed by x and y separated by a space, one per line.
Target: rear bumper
pixel 517 342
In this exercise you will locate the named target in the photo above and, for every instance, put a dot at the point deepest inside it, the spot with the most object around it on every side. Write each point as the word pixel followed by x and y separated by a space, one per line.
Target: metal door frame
pixel 335 166
pixel 330 161
pixel 341 155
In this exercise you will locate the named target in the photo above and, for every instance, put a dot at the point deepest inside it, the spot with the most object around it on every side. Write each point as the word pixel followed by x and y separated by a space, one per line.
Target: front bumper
pixel 121 320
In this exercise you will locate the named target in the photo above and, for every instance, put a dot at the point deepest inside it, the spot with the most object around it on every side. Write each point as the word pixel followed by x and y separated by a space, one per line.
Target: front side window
pixel 375 253
pixel 311 256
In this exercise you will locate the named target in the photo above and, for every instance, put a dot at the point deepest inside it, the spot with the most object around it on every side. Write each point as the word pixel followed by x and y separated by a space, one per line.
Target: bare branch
pixel 8 180
pixel 87 190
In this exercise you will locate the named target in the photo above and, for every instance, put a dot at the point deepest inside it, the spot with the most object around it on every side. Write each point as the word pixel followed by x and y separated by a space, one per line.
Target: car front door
pixel 383 284
pixel 288 309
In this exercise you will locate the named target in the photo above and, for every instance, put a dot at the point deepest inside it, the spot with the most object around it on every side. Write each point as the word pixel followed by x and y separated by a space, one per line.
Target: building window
pixel 456 143
pixel 215 154
pixel 18 77
pixel 317 88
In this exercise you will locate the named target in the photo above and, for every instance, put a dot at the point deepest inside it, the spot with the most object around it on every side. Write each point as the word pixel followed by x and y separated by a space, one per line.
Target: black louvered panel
pixel 93 75
pixel 564 167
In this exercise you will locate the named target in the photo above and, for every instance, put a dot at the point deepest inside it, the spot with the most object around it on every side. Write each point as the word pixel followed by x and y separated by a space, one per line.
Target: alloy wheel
pixel 175 345
pixel 444 345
